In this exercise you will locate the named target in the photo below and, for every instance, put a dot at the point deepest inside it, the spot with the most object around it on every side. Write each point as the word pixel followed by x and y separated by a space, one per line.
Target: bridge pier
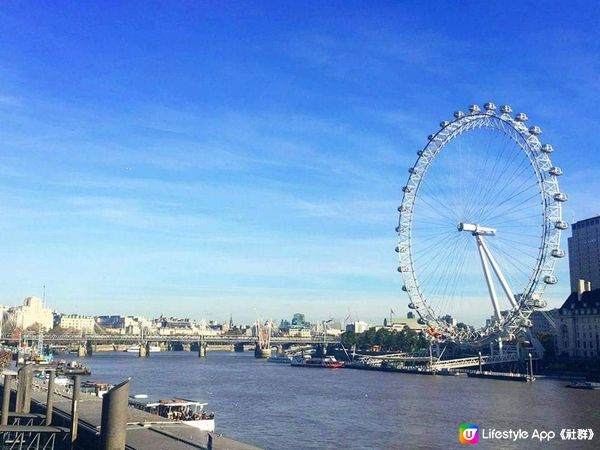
pixel 239 347
pixel 202 346
pixel 232 348
pixel 143 351
pixel 89 348
pixel 261 352
pixel 187 347
pixel 81 351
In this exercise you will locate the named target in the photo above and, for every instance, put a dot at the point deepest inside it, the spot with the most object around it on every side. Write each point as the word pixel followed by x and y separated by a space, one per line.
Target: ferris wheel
pixel 480 225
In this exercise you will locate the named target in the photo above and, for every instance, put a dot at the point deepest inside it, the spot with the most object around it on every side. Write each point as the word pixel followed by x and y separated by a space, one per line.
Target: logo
pixel 468 433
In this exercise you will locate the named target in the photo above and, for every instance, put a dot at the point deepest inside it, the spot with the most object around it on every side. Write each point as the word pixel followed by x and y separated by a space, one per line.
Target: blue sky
pixel 203 159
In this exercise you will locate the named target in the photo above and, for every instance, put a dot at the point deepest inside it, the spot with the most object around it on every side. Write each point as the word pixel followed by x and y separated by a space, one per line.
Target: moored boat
pixel 584 385
pixel 189 412
pixel 136 349
pixel 328 362
pixel 280 359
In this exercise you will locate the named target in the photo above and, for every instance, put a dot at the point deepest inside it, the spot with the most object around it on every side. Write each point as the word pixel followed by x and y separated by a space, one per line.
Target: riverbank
pixel 144 430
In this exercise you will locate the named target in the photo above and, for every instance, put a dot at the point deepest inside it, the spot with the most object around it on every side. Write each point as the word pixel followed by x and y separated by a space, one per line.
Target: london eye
pixel 480 225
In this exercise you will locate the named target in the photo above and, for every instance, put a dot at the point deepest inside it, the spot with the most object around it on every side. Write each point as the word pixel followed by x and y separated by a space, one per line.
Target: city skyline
pixel 210 160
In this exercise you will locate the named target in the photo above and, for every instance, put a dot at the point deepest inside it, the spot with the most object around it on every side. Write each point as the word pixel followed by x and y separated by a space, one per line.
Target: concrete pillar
pixel 81 352
pixel 187 347
pixel 6 398
pixel 113 429
pixel 50 397
pixel 75 409
pixel 280 350
pixel 480 365
pixel 89 347
pixel 239 347
pixel 143 351
pixel 232 348
pixel 24 389
pixel 202 349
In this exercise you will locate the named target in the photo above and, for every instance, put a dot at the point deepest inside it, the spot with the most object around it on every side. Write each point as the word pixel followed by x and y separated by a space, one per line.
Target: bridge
pixel 182 338
pixel 87 344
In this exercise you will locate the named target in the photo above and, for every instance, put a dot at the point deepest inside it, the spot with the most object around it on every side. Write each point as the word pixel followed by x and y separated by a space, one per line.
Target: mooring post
pixel 25 379
pixel 8 377
pixel 480 370
pixel 113 427
pixel 530 367
pixel 50 397
pixel 75 409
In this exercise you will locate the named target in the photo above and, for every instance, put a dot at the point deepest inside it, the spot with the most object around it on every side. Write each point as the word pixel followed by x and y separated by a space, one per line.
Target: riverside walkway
pixel 144 430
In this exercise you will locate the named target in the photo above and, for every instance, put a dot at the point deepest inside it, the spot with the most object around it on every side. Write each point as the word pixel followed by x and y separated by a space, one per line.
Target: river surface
pixel 276 406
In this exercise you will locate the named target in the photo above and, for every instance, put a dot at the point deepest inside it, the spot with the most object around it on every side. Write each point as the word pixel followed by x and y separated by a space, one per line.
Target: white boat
pixel 136 349
pixel 328 362
pixel 281 359
pixel 188 412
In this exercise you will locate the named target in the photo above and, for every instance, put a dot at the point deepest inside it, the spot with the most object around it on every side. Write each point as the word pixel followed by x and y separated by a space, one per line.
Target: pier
pixel 33 418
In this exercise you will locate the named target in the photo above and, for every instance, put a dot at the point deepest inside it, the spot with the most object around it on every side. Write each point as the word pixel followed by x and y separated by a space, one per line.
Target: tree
pixel 5 358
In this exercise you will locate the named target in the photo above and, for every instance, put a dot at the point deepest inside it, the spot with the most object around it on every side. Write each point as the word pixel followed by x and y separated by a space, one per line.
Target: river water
pixel 276 406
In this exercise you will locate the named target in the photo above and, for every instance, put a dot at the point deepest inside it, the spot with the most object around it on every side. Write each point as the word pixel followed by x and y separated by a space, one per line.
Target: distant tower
pixel 230 321
pixel 584 252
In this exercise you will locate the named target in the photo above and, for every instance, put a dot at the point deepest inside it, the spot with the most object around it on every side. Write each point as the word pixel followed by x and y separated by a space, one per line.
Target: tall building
pixel 584 252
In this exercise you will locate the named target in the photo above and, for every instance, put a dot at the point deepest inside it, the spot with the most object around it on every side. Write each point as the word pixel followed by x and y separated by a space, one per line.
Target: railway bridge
pixel 86 343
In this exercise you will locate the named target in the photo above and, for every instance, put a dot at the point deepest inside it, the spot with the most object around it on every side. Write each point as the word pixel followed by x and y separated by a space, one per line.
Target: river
pixel 276 406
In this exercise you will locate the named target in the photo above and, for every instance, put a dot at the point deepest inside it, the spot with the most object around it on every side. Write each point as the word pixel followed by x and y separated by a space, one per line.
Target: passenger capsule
pixel 406 189
pixel 506 109
pixel 535 130
pixel 444 123
pixel 556 171
pixel 459 114
pixel 550 279
pixel 547 148
pixel 489 106
pixel 560 197
pixel 521 117
pixel 412 306
pixel 558 253
pixel 422 321
pixel 404 288
pixel 413 170
pixel 526 323
pixel 397 249
pixel 539 303
pixel 561 225
pixel 474 109
pixel 397 229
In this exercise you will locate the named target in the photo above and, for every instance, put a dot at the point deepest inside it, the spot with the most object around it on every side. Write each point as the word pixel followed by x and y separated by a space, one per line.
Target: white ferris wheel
pixel 480 225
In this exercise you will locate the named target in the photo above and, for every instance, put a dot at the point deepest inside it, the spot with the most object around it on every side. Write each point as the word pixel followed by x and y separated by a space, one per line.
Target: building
pixel 578 324
pixel 123 324
pixel 75 322
pixel 357 327
pixel 33 313
pixel 584 252
pixel 398 323
pixel 543 322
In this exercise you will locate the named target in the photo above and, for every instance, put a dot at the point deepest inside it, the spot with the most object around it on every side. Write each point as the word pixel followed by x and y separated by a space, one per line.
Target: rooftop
pixel 589 299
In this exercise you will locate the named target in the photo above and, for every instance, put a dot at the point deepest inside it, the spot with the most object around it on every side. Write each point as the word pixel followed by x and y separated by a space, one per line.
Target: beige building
pixel 31 313
pixel 76 322
pixel 578 324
